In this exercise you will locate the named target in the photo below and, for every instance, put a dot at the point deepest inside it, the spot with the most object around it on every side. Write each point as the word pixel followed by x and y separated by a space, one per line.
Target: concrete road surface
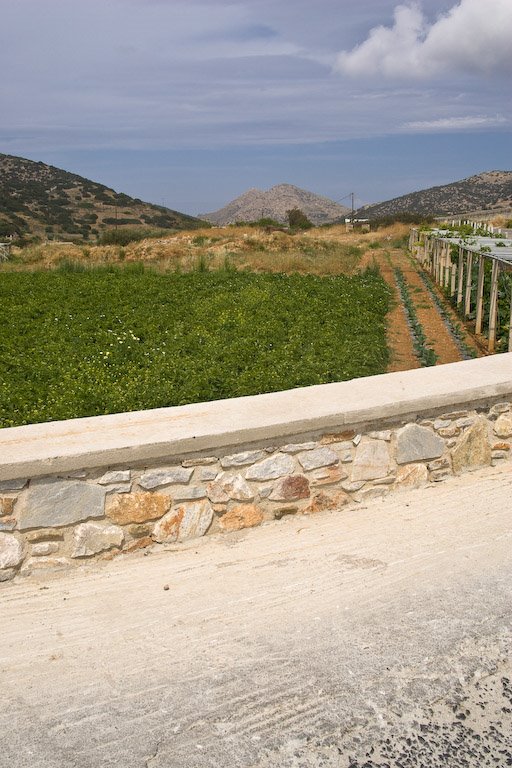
pixel 377 636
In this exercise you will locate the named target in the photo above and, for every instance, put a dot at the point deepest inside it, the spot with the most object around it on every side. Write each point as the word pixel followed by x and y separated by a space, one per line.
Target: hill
pixel 39 199
pixel 489 191
pixel 274 203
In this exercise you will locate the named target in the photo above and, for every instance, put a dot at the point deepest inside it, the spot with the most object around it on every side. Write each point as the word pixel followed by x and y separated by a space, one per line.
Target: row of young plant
pixel 425 354
pixel 455 329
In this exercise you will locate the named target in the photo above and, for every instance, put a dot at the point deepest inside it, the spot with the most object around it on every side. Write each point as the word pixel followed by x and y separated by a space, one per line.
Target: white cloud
pixel 456 123
pixel 474 37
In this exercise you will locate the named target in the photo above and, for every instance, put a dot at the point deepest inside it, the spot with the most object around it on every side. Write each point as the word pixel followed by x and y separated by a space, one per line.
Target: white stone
pixel 228 486
pixel 188 492
pixel 372 460
pixel 298 447
pixel 270 469
pixel 320 457
pixel 382 435
pixel 44 564
pixel 241 459
pixel 11 551
pixel 207 474
pixel 92 538
pixel 155 478
pixel 44 548
pixel 116 476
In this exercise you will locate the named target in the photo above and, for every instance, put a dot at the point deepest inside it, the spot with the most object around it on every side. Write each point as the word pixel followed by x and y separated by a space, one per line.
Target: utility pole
pixel 352 195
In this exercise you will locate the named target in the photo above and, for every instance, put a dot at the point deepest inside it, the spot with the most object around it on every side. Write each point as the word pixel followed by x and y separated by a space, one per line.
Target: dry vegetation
pixel 320 251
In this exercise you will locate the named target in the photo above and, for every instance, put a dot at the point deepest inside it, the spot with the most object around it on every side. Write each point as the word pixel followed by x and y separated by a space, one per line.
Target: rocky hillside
pixel 39 199
pixel 490 191
pixel 274 203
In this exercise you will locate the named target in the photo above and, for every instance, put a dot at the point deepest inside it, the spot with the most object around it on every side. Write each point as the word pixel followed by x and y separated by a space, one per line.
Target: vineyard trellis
pixel 473 267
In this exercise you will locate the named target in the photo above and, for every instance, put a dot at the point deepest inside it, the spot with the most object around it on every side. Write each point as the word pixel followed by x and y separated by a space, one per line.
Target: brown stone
pixel 137 530
pixel 501 447
pixel 45 534
pixel 137 507
pixel 328 476
pixel 411 476
pixel 323 501
pixel 337 437
pixel 242 516
pixel 283 511
pixel 142 543
pixel 185 521
pixel 473 448
pixel 6 506
pixel 291 488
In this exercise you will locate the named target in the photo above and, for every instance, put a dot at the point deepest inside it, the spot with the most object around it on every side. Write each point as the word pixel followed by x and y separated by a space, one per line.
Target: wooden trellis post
pixel 480 295
pixel 461 276
pixel 493 306
pixel 469 276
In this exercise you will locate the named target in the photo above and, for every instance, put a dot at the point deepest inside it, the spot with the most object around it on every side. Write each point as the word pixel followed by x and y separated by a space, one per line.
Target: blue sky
pixel 188 103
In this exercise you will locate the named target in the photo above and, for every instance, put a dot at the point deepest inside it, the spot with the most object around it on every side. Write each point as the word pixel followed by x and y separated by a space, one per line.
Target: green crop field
pixel 103 341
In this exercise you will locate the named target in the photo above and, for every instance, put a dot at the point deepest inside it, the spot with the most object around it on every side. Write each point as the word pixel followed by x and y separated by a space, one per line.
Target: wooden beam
pixel 461 276
pixel 480 295
pixel 493 306
pixel 469 278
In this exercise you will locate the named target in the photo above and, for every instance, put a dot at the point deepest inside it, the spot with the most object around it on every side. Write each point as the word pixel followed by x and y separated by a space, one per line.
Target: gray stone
pixel 92 538
pixel 320 457
pixel 188 492
pixel 7 574
pixel 346 457
pixel 352 487
pixel 298 447
pixel 473 449
pixel 385 480
pixel 44 549
pixel 440 474
pixel 466 422
pixel 118 476
pixel 11 551
pixel 442 423
pixel 241 459
pixel 228 486
pixel 372 460
pixel 121 488
pixel 270 469
pixel 53 503
pixel 499 408
pixel 503 426
pixel 376 492
pixel 155 478
pixel 185 521
pixel 207 474
pixel 415 443
pixel 13 485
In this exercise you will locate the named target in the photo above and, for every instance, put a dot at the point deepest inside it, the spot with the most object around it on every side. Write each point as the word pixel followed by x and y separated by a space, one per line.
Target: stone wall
pixel 56 520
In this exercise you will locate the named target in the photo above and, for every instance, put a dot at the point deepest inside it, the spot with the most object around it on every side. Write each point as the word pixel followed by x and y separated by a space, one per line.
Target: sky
pixel 189 103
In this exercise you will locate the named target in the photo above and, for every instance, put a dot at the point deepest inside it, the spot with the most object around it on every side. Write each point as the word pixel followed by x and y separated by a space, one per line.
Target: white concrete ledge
pixel 167 433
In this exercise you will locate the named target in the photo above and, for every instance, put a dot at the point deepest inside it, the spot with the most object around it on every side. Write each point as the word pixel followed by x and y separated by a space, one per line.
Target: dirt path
pixel 399 338
pixel 302 643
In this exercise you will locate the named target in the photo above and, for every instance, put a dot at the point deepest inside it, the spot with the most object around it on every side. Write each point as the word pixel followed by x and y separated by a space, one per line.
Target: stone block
pixel 54 503
pixel 44 564
pixel 473 448
pixel 385 435
pixel 241 459
pixel 290 488
pixel 319 457
pixel 7 506
pixel 138 530
pixel 229 486
pixel 242 516
pixel 203 461
pixel 91 538
pixel 117 476
pixel 137 507
pixel 45 534
pixel 185 521
pixel 503 425
pixel 415 443
pixel 284 511
pixel 411 476
pixel 326 500
pixel 352 487
pixel 298 447
pixel 7 574
pixel 13 485
pixel 44 549
pixel 372 460
pixel 188 492
pixel 8 523
pixel 207 474
pixel 11 551
pixel 328 475
pixel 270 469
pixel 156 478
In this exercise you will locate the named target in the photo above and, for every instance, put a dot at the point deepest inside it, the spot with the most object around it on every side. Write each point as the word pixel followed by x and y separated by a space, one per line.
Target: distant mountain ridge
pixel 40 199
pixel 274 203
pixel 488 191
